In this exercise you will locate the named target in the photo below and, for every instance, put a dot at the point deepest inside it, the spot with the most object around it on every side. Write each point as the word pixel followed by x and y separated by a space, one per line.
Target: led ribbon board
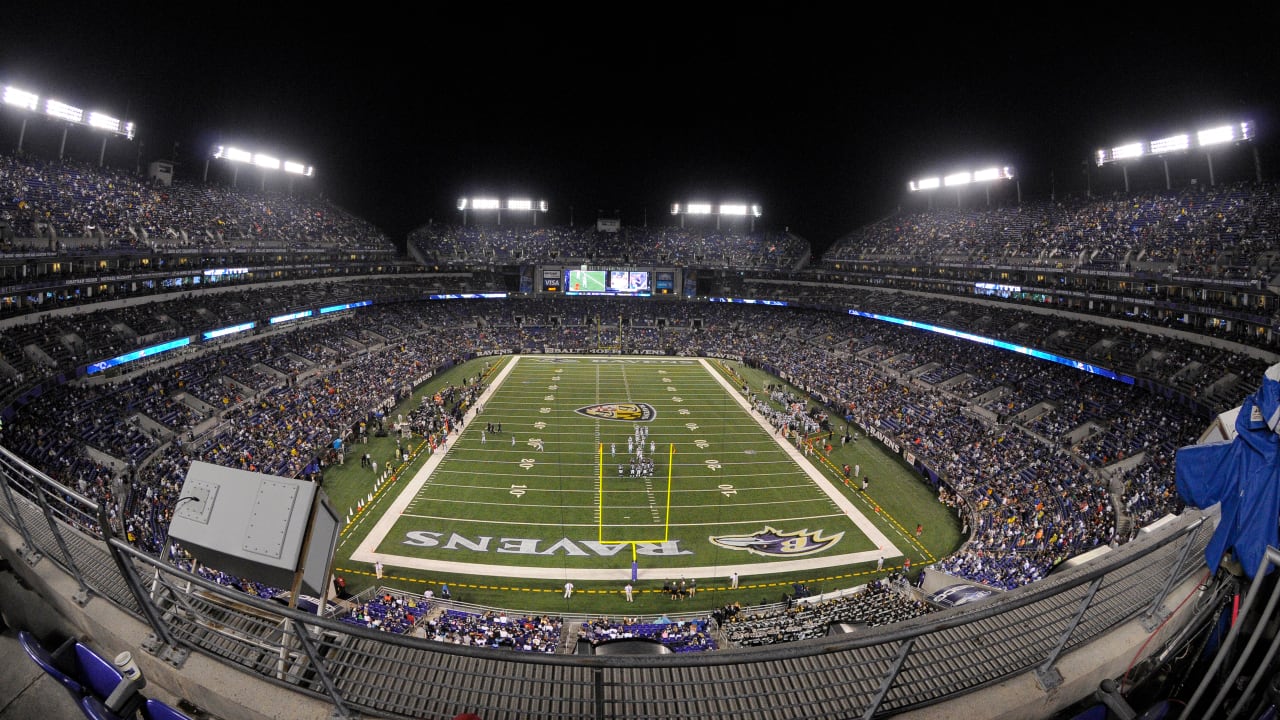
pixel 290 317
pixel 345 306
pixel 468 296
pixel 137 355
pixel 213 334
pixel 1003 345
pixel 749 301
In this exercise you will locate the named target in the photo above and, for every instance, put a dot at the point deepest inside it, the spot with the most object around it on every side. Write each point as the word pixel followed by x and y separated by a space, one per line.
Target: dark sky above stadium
pixel 821 118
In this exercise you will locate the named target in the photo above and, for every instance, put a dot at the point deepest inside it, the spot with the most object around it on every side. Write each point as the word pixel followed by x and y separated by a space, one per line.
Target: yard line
pixel 595 491
pixel 459 501
pixel 595 464
pixel 719 523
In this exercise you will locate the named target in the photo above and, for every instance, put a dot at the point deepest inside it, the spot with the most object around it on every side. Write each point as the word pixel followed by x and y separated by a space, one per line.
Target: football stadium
pixel 991 453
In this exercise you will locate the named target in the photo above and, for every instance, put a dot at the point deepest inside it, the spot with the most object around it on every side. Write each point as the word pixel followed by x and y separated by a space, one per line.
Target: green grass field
pixel 506 517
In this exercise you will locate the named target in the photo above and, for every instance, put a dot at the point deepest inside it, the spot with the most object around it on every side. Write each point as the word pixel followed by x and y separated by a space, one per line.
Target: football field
pixel 605 461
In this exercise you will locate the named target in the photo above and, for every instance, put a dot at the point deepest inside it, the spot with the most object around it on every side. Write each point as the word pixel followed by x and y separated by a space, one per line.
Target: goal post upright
pixel 666 520
pixel 600 508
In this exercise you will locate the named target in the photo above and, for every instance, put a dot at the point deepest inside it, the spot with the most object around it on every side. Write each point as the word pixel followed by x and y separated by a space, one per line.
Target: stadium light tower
pixel 731 209
pixel 1205 140
pixel 23 100
pixel 29 103
pixel 482 204
pixel 263 161
pixel 1228 134
pixel 964 178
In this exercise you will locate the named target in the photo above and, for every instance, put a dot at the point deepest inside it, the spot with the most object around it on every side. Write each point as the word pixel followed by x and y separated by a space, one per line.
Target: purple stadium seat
pixel 156 710
pixel 98 674
pixel 95 708
pixel 49 663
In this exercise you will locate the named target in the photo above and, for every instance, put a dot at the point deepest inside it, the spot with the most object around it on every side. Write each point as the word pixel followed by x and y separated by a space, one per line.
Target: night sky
pixel 626 108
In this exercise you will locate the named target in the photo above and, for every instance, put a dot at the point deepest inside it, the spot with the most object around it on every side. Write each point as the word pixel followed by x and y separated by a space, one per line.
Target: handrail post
pixel 29 553
pixel 81 597
pixel 340 706
pixel 1153 618
pixel 903 651
pixel 1047 676
pixel 161 643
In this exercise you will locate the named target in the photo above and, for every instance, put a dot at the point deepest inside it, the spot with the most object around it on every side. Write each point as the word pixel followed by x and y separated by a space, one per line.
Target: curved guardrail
pixel 360 671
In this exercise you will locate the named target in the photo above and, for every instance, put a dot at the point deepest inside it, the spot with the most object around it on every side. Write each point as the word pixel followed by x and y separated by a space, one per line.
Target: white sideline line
pixel 367 551
pixel 845 504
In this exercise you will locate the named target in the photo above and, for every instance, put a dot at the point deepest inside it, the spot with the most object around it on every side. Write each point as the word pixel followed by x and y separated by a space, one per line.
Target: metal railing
pixel 365 672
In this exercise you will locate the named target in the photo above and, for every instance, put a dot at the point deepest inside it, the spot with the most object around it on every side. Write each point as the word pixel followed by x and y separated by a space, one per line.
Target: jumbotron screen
pixel 607 282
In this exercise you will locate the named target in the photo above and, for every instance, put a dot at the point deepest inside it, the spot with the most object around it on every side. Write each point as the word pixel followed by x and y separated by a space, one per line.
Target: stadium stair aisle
pixel 568 638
